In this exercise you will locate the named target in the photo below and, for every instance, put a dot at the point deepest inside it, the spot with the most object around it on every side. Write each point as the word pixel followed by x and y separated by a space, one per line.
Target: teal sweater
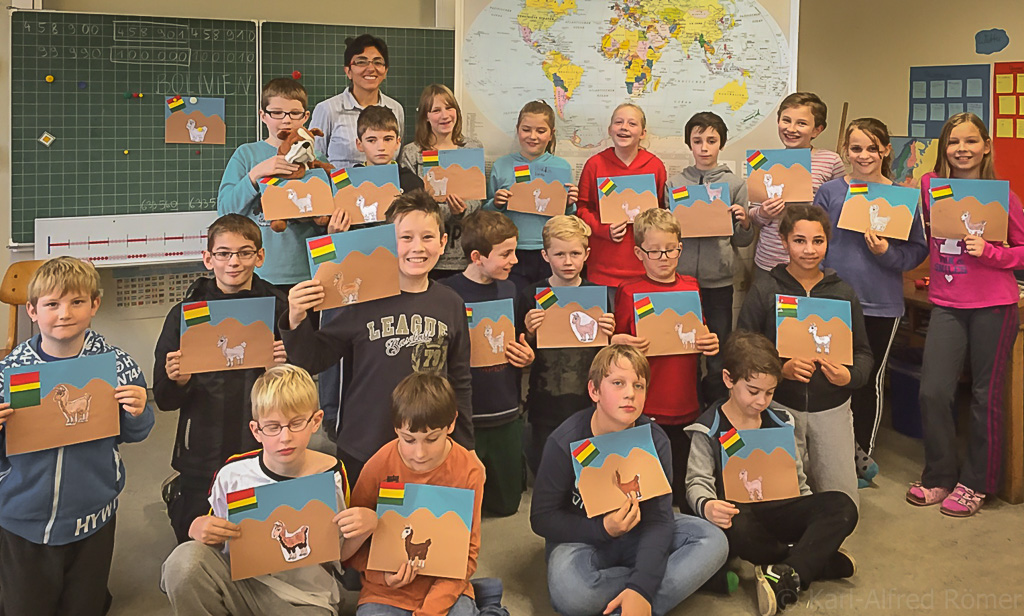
pixel 502 176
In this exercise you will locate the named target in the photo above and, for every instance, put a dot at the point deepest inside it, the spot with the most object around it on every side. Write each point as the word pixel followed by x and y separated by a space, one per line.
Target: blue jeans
pixel 584 578
pixel 463 607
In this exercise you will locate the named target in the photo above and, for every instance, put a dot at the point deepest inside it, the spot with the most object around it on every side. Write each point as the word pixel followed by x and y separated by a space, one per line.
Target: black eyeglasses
pixel 295 425
pixel 277 114
pixel 243 255
pixel 364 62
pixel 671 253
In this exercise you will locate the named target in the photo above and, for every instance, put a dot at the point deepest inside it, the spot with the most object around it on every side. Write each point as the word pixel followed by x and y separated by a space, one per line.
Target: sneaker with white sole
pixel 778 586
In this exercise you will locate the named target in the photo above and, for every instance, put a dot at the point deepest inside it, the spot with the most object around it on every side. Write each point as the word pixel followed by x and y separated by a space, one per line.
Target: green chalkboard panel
pixel 418 57
pixel 94 60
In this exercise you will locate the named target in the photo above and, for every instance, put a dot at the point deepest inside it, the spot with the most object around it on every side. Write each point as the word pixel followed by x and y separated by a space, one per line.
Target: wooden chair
pixel 14 293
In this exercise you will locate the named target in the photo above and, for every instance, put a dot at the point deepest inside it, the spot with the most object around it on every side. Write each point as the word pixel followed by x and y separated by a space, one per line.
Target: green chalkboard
pixel 418 57
pixel 94 61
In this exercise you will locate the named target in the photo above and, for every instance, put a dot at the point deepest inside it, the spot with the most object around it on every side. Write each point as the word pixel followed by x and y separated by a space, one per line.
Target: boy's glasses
pixel 243 255
pixel 277 114
pixel 364 62
pixel 671 253
pixel 295 425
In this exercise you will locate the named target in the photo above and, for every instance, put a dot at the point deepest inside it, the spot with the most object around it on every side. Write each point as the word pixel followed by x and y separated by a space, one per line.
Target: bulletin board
pixel 1008 129
pixel 938 92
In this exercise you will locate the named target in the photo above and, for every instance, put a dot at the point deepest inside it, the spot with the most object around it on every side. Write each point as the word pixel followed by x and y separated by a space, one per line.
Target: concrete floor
pixel 910 559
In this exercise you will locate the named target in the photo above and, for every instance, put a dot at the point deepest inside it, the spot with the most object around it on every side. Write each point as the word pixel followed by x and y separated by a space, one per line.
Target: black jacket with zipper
pixel 758 315
pixel 215 409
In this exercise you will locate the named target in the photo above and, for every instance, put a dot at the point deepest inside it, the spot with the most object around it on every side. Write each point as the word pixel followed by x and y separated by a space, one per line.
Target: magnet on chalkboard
pixel 126 152
pixel 82 85
pixel 127 94
pixel 49 79
pixel 296 75
pixel 197 152
pixel 193 100
pixel 47 139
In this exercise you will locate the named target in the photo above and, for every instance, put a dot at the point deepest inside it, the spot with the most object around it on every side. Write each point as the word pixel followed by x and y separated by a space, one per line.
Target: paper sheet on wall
pixel 1004 127
pixel 1004 84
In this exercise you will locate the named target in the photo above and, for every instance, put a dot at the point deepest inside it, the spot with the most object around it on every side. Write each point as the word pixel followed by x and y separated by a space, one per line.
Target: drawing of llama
pixel 75 411
pixel 294 545
pixel 305 204
pixel 232 355
pixel 540 204
pixel 440 187
pixel 878 223
pixel 369 212
pixel 821 343
pixel 416 553
pixel 497 342
pixel 629 487
pixel 630 213
pixel 754 488
pixel 977 229
pixel 714 193
pixel 583 326
pixel 774 190
pixel 196 133
pixel 349 292
pixel 689 339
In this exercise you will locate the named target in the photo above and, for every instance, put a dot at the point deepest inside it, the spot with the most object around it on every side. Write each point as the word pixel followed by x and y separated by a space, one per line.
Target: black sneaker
pixel 777 588
pixel 839 566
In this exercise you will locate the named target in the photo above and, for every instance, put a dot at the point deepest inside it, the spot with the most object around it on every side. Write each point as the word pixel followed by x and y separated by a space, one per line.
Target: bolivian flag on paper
pixel 24 390
pixel 643 307
pixel 731 442
pixel 607 186
pixel 430 158
pixel 585 453
pixel 522 173
pixel 391 493
pixel 546 298
pixel 680 193
pixel 272 181
pixel 340 178
pixel 242 500
pixel 196 313
pixel 175 103
pixel 785 306
pixel 941 192
pixel 322 249
pixel 469 315
pixel 756 159
pixel 858 188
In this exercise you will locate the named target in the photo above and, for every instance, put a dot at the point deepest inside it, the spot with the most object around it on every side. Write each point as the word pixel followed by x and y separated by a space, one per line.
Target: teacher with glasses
pixel 366 66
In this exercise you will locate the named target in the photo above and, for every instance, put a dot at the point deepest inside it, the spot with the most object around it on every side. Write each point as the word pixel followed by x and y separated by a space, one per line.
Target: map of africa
pixel 584 57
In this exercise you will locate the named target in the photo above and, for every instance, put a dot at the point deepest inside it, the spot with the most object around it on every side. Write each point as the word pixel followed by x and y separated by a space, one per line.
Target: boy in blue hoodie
pixel 57 506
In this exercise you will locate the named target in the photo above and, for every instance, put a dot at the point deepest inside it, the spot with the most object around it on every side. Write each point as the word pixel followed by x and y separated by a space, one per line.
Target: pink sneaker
pixel 923 497
pixel 963 502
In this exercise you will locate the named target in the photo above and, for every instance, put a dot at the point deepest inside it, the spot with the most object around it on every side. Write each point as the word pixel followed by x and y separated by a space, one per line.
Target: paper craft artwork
pixel 911 159
pixel 61 403
pixel 571 315
pixel 196 123
pixel 227 334
pixel 759 465
pixel 454 172
pixel 702 209
pixel 306 197
pixel 427 526
pixel 491 327
pixel 969 207
pixel 671 320
pixel 814 328
pixel 623 197
pixel 366 193
pixel 356 266
pixel 887 210
pixel 612 467
pixel 779 173
pixel 539 189
pixel 285 525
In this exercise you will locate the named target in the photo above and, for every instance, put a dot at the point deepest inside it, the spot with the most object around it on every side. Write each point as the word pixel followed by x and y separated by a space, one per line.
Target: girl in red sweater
pixel 611 246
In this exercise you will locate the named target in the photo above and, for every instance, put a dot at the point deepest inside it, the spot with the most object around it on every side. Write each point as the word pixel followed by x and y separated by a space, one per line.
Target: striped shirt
pixel 825 165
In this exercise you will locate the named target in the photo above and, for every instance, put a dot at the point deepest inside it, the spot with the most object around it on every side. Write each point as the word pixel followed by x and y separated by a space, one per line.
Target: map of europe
pixel 672 57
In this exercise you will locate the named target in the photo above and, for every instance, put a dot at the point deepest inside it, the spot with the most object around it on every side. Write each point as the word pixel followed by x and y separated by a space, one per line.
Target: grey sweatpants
pixel 197 580
pixel 826 440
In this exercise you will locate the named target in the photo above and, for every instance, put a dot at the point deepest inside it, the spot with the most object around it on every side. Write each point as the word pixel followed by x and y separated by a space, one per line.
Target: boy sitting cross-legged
pixel 213 422
pixel 58 506
pixel 423 413
pixel 197 574
pixel 641 558
pixel 794 541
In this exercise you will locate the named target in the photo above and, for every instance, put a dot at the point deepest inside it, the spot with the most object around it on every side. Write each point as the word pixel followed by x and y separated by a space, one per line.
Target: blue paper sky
pixel 463 157
pixel 317 173
pixel 765 439
pixel 784 157
pixel 493 310
pixel 296 493
pixel 985 191
pixel 246 311
pixel 586 297
pixel 550 173
pixel 364 240
pixel 699 192
pixel 827 309
pixel 906 196
pixel 76 372
pixel 619 443
pixel 378 175
pixel 205 105
pixel 681 302
pixel 638 183
pixel 438 500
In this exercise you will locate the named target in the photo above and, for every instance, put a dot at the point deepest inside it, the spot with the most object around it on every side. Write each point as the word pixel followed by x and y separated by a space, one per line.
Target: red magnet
pixel 296 75
pixel 197 151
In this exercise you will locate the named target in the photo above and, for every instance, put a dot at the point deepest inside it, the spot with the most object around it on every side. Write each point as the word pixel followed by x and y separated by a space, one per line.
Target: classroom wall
pixel 862 51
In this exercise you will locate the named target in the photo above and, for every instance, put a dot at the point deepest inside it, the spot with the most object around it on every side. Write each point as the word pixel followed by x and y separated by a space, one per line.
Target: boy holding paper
pixel 641 558
pixel 793 541
pixel 57 506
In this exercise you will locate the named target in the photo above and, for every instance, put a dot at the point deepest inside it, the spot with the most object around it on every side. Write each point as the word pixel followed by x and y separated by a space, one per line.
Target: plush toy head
pixel 297 149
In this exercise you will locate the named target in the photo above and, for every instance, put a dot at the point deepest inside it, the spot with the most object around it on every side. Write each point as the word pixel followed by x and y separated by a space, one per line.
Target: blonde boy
pixel 672 398
pixel 57 506
pixel 558 379
pixel 802 117
pixel 197 574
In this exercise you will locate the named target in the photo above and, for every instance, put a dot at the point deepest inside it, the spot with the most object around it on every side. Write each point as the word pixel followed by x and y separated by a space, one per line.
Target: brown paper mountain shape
pixel 703 219
pixel 177 130
pixel 256 552
pixel 613 212
pixel 549 201
pixel 796 341
pixel 600 490
pixel 796 181
pixel 447 555
pixel 454 180
pixel 362 278
pixel 668 330
pixel 946 218
pixel 46 426
pixel 776 473
pixel 556 330
pixel 374 205
pixel 482 350
pixel 201 350
pixel 279 204
pixel 891 221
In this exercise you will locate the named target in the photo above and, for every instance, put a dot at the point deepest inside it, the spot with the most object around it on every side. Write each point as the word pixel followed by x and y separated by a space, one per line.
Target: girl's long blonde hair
pixel 424 136
pixel 988 170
